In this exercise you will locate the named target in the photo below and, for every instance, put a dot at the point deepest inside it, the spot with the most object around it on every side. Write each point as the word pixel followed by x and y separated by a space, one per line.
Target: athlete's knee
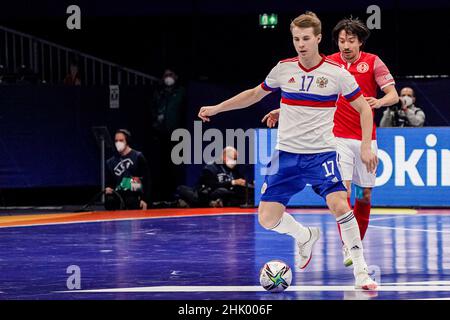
pixel 267 218
pixel 337 203
pixel 367 194
pixel 363 194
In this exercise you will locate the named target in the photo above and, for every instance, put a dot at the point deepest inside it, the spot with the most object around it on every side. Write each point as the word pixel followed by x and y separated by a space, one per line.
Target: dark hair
pixel 126 133
pixel 352 26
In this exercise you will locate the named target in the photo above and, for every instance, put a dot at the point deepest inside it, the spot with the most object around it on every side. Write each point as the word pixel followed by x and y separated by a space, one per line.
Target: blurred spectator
pixel 128 183
pixel 167 104
pixel 73 77
pixel 220 184
pixel 405 114
pixel 167 114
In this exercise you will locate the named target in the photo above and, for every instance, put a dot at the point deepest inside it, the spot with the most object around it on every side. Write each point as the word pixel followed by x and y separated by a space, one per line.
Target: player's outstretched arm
pixel 390 98
pixel 271 118
pixel 240 101
pixel 367 156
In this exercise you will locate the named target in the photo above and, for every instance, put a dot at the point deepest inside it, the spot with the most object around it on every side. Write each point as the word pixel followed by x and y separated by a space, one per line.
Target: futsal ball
pixel 275 276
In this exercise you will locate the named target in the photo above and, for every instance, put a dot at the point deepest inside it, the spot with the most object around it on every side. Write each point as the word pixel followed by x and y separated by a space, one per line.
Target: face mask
pixel 120 146
pixel 230 163
pixel 169 81
pixel 407 101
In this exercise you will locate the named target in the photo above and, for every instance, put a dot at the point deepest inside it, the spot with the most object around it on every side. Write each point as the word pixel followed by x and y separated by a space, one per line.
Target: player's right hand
pixel 206 112
pixel 271 118
pixel 369 159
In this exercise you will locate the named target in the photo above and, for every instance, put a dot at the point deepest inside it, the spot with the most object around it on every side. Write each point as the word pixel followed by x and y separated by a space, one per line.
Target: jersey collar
pixel 349 64
pixel 315 67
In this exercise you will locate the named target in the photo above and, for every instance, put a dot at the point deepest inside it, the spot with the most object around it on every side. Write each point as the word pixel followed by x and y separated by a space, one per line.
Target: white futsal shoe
pixel 305 249
pixel 347 257
pixel 364 281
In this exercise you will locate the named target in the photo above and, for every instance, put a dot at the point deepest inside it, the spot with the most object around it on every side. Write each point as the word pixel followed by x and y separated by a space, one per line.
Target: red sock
pixel 339 228
pixel 362 215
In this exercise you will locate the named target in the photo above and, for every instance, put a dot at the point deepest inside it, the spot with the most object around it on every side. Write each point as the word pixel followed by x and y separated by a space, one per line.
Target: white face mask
pixel 230 163
pixel 169 81
pixel 407 101
pixel 120 146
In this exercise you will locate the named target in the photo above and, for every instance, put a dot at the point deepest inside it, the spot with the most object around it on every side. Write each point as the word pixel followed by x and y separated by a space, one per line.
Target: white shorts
pixel 352 167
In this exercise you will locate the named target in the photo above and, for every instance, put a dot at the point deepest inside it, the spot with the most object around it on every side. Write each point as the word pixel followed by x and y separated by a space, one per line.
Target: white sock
pixel 288 225
pixel 352 239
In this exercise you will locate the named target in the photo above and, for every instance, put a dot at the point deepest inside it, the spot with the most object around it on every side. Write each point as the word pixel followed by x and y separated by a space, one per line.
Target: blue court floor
pixel 218 257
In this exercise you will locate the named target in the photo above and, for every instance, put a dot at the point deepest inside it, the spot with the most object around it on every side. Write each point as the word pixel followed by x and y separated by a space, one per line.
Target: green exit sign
pixel 268 20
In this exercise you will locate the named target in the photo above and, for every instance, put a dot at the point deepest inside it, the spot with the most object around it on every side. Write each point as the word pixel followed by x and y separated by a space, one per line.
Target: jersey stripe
pixel 353 95
pixel 267 88
pixel 308 103
pixel 308 96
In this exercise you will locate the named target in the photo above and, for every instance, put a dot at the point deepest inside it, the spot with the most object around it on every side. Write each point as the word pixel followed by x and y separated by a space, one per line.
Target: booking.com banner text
pixel 413 170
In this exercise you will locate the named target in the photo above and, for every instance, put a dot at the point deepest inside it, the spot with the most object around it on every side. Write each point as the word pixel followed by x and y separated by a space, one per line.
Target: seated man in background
pixel 220 184
pixel 127 177
pixel 406 114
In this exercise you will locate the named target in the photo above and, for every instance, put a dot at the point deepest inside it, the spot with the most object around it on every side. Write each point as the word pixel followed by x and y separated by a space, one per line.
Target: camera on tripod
pixel 398 116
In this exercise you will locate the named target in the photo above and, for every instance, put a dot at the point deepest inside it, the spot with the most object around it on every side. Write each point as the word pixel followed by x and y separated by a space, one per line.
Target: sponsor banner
pixel 414 169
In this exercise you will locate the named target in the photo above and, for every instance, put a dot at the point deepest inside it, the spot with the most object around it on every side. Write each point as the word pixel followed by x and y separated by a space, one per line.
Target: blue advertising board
pixel 413 170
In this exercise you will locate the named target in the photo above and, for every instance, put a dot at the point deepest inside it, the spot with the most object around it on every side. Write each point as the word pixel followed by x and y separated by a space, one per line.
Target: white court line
pixel 439 282
pixel 390 218
pixel 409 229
pixel 433 299
pixel 371 219
pixel 409 288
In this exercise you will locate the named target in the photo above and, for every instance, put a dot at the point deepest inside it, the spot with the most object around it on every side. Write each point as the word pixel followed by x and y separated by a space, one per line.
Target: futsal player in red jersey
pixel 370 73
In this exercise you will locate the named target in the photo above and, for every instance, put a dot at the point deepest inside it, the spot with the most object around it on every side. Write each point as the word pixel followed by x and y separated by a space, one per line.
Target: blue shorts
pixel 288 174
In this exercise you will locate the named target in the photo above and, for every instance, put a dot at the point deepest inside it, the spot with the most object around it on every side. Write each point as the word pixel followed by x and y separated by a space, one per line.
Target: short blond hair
pixel 308 20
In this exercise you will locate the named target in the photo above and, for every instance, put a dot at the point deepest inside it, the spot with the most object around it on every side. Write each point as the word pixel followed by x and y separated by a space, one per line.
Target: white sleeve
pixel 348 86
pixel 272 82
pixel 383 76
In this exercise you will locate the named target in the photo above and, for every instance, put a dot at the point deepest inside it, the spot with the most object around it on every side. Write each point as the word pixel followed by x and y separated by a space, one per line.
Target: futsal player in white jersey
pixel 306 148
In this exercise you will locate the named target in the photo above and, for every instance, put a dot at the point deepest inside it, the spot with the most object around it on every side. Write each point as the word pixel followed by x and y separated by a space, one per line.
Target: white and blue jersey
pixel 306 146
pixel 308 103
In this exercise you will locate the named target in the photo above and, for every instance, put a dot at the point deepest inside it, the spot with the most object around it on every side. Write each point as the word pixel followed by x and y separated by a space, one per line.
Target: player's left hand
pixel 374 103
pixel 369 159
pixel 143 205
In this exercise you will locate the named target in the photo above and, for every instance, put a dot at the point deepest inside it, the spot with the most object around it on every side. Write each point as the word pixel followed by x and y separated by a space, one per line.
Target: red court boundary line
pixel 99 216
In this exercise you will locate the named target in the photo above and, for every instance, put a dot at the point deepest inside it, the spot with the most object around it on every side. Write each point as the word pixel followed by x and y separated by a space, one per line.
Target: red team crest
pixel 362 67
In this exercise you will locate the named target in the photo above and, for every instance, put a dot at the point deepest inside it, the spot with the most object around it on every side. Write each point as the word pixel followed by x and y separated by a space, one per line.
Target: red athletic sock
pixel 339 227
pixel 362 215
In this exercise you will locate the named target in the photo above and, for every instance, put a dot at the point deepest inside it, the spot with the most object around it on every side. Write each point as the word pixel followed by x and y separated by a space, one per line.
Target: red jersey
pixel 370 73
